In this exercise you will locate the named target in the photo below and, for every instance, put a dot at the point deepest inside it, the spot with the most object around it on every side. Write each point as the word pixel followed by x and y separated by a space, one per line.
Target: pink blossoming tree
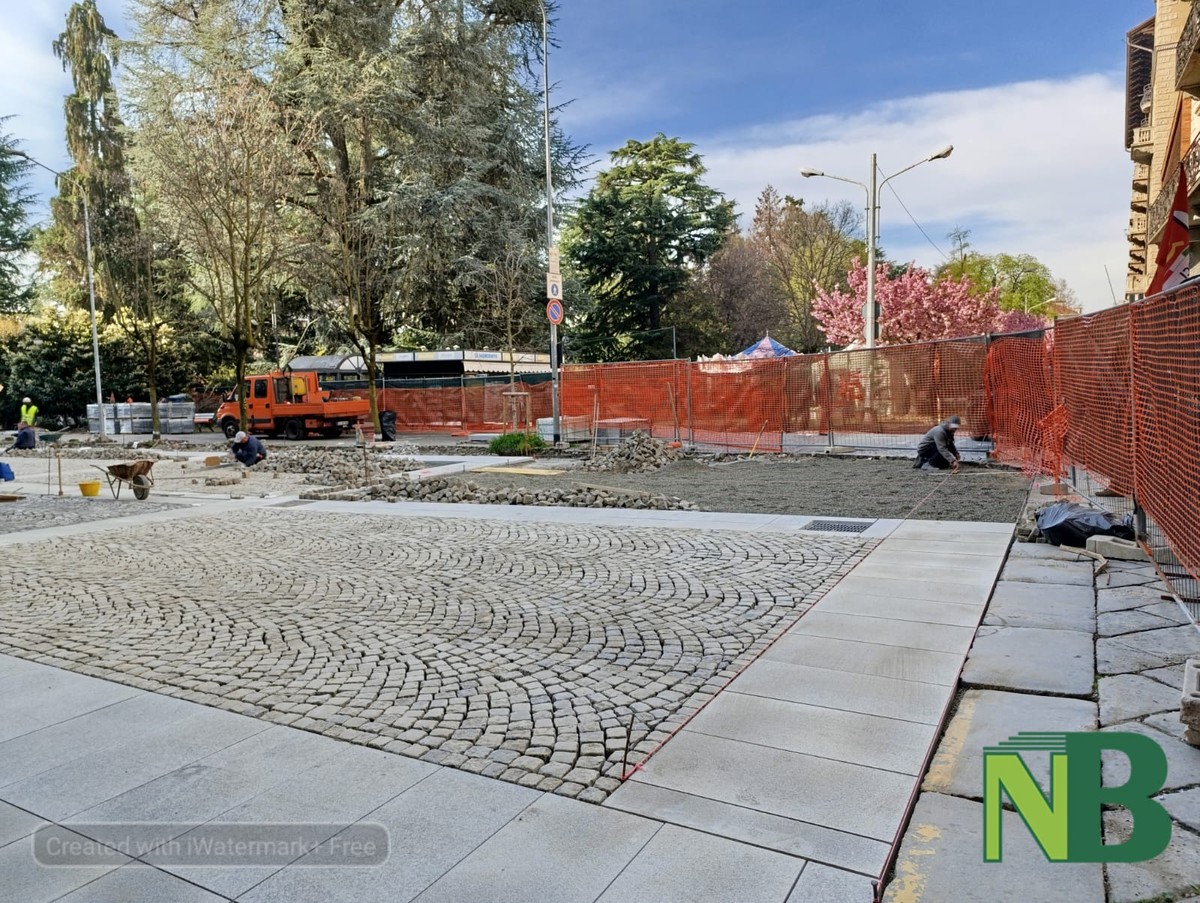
pixel 916 308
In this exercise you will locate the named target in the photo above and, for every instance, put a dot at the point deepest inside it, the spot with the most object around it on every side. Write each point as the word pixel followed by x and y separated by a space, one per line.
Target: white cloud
pixel 1038 167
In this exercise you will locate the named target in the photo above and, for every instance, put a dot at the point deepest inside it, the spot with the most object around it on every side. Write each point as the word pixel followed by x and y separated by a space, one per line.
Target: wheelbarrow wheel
pixel 141 487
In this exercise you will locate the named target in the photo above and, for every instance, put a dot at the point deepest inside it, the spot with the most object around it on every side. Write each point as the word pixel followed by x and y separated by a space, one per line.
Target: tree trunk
pixel 241 386
pixel 372 377
pixel 152 380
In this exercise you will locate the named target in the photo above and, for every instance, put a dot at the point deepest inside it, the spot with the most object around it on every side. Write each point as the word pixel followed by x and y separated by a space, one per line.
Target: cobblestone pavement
pixel 548 655
pixel 38 512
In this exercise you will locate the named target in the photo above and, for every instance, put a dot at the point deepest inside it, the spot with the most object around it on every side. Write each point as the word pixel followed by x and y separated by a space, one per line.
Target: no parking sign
pixel 554 312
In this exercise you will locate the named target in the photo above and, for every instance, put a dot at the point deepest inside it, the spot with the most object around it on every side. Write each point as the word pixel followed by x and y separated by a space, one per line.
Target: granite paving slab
pixel 1183 761
pixel 921 611
pixel 822 884
pixel 1056 607
pixel 1029 658
pixel 987 717
pixel 885 631
pixel 894 662
pixel 1125 697
pixel 1172 873
pixel 683 866
pixel 136 882
pixel 1148 649
pixel 941 861
pixel 1050 571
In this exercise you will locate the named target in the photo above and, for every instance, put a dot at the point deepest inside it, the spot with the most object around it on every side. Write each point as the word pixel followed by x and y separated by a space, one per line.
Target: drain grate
pixel 836 526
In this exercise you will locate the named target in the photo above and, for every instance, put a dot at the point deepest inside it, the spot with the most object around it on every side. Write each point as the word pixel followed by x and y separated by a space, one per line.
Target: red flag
pixel 1173 261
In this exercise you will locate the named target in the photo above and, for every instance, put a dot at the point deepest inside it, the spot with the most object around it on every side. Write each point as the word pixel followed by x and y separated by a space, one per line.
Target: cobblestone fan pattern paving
pixel 38 512
pixel 548 655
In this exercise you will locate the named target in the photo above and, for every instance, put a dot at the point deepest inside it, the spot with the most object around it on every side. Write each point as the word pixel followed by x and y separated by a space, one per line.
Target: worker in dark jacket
pixel 248 449
pixel 25 437
pixel 937 447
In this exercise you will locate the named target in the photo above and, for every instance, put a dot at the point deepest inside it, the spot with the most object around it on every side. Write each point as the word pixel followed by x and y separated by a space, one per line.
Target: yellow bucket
pixel 90 488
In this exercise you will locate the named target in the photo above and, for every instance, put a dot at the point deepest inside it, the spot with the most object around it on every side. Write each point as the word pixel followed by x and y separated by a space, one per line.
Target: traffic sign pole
pixel 554 313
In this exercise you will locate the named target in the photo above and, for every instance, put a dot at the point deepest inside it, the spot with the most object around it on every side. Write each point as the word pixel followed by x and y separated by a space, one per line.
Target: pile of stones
pixel 90 453
pixel 439 490
pixel 640 453
pixel 336 466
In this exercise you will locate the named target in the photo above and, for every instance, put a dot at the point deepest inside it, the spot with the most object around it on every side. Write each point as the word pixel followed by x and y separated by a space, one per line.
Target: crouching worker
pixel 25 437
pixel 247 449
pixel 937 447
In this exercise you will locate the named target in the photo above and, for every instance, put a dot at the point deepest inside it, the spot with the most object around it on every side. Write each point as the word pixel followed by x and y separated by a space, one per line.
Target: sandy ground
pixel 836 487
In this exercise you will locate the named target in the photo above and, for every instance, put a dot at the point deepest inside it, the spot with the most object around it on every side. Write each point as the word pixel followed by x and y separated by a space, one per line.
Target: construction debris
pixel 441 490
pixel 640 453
pixel 337 466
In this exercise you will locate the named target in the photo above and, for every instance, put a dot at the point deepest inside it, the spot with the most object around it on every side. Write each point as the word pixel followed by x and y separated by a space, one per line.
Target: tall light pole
pixel 551 256
pixel 871 314
pixel 91 276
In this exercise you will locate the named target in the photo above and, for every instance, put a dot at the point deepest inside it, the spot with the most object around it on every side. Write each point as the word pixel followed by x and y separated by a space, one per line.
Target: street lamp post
pixel 554 406
pixel 91 276
pixel 870 315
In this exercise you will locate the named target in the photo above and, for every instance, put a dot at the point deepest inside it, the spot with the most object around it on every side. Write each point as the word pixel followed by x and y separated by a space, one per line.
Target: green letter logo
pixel 1066 823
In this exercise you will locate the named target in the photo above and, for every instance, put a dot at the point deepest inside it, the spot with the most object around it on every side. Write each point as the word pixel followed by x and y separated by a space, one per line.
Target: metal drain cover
pixel 837 526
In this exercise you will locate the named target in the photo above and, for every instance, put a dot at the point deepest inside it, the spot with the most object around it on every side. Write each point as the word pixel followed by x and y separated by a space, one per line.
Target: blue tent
pixel 767 347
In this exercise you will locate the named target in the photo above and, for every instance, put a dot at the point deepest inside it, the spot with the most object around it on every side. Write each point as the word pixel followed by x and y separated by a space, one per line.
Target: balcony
pixel 1187 55
pixel 1141 175
pixel 1143 144
pixel 1191 166
pixel 1160 210
pixel 1137 226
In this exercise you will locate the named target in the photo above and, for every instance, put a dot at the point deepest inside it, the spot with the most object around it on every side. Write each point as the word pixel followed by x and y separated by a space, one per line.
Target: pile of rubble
pixel 640 453
pixel 338 466
pixel 440 490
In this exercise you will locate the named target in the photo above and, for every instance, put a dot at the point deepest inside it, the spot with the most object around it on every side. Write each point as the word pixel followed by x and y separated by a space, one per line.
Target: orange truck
pixel 292 404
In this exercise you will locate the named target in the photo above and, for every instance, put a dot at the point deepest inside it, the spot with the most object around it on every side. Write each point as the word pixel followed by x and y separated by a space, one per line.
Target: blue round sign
pixel 554 312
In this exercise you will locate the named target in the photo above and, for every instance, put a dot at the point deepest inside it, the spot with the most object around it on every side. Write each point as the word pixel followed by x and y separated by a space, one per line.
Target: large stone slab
pixel 1125 697
pixel 683 866
pixel 867 694
pixel 1126 598
pixel 1043 550
pixel 25 879
pixel 334 791
pixel 987 717
pixel 1183 761
pixel 557 850
pixel 136 717
pixel 34 699
pixel 869 740
pixel 91 779
pixel 881 582
pixel 893 662
pixel 1028 658
pixel 1056 607
pixel 1149 649
pixel 838 795
pixel 920 610
pixel 886 631
pixel 1184 806
pixel 941 861
pixel 1118 623
pixel 16 823
pixel 944 581
pixel 761 829
pixel 1175 871
pixel 140 882
pixel 1049 571
pixel 431 827
pixel 822 884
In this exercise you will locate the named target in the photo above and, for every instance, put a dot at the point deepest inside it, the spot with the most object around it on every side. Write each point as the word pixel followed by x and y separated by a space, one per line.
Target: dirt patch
pixel 835 487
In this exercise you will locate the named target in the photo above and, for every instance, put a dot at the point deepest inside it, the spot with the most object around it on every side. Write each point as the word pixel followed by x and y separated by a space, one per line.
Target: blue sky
pixel 1030 93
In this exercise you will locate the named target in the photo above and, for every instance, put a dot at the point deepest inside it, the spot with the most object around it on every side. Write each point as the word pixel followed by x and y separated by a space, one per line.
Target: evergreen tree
pixel 15 234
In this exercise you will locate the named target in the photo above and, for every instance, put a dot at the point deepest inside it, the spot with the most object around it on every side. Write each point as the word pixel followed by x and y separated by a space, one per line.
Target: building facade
pixel 1162 124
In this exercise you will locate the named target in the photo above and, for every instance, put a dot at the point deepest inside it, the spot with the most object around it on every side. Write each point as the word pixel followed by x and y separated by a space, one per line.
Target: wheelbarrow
pixel 134 473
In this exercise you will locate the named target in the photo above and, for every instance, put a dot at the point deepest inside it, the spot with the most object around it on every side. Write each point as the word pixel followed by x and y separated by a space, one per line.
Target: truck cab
pixel 292 404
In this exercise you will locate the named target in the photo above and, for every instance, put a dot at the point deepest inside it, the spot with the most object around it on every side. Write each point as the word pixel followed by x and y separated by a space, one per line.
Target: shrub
pixel 516 444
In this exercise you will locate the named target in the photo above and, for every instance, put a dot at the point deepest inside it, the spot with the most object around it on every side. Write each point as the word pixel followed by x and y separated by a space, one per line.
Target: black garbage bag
pixel 1070 524
pixel 387 425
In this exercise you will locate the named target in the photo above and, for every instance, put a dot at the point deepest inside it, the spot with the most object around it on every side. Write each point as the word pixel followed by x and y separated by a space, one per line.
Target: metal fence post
pixel 691 420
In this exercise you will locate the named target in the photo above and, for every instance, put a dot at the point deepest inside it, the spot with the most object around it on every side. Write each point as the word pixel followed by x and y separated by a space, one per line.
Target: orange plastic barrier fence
pixel 1020 396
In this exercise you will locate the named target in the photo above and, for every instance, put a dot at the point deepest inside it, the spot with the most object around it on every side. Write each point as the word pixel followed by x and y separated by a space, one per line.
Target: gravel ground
pixel 833 487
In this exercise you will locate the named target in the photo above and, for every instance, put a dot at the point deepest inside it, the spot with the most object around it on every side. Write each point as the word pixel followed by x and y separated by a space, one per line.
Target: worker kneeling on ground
pixel 25 437
pixel 247 449
pixel 937 448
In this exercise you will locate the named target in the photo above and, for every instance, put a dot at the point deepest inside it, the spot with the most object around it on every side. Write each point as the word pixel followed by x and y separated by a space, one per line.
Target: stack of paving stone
pixel 100 453
pixel 640 453
pixel 438 490
pixel 336 466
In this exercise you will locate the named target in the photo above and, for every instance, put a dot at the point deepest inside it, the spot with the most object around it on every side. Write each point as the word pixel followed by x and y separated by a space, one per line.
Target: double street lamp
pixel 550 255
pixel 91 276
pixel 871 314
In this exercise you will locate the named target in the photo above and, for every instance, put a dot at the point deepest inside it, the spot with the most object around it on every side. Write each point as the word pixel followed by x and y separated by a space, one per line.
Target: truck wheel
pixel 229 427
pixel 293 430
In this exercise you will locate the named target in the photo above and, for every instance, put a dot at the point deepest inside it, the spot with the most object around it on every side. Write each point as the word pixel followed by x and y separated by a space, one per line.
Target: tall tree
pixel 636 240
pixel 1021 281
pixel 805 250
pixel 15 234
